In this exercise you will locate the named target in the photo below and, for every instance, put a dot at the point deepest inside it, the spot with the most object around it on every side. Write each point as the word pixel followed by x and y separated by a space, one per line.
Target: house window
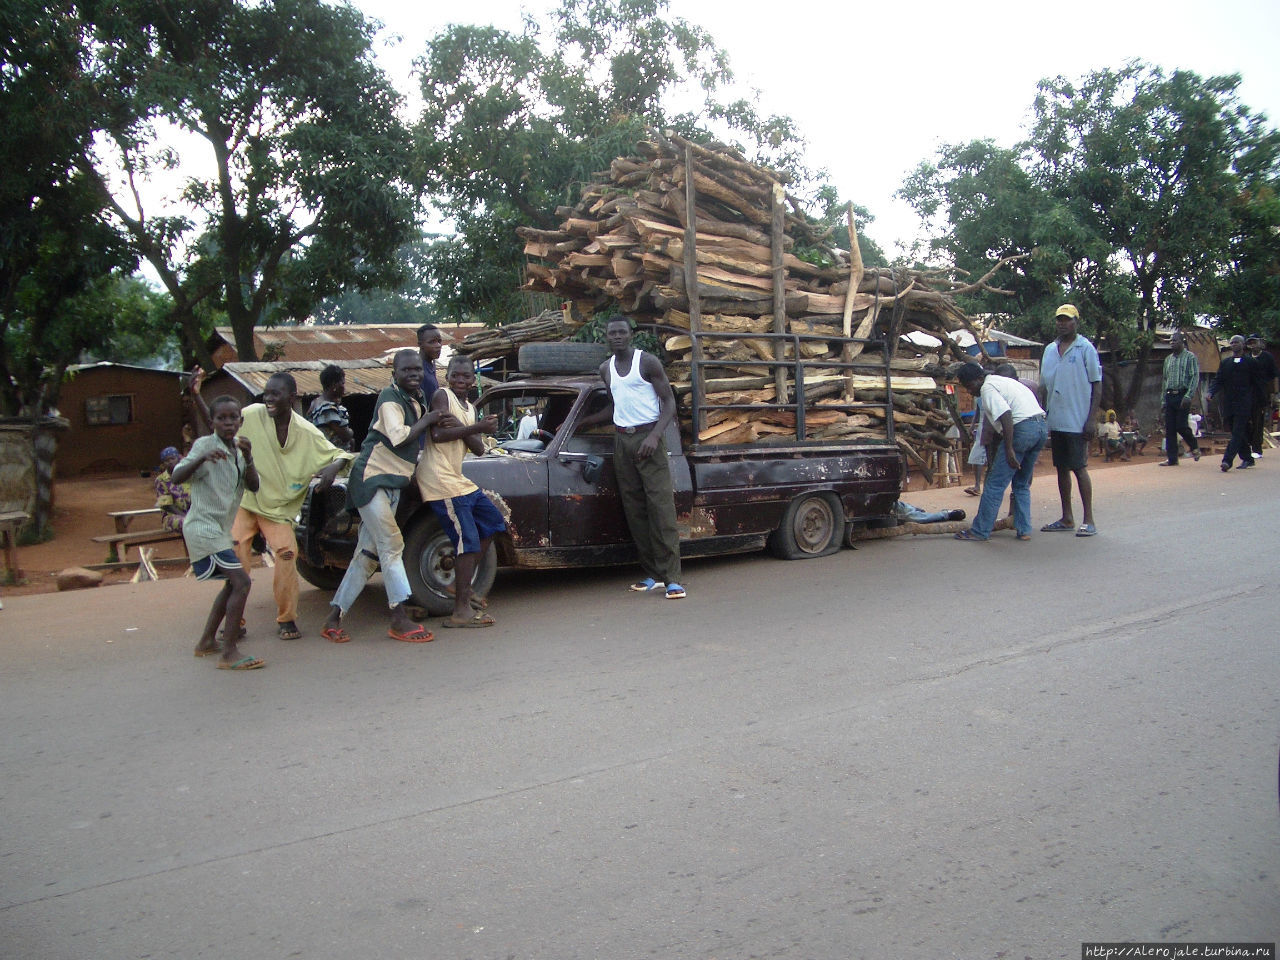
pixel 100 411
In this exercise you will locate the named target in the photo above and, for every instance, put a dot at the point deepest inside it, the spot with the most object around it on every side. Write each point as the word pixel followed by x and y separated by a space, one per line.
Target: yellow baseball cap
pixel 1067 310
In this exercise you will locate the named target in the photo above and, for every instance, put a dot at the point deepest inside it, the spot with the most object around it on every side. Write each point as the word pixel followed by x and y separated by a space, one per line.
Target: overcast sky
pixel 874 89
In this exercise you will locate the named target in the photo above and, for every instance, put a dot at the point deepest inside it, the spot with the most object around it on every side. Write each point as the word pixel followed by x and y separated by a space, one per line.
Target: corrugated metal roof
pixel 363 376
pixel 965 339
pixel 334 342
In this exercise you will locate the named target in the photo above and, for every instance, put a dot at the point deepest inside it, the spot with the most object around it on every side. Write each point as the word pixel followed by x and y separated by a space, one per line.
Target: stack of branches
pixel 623 247
pixel 505 341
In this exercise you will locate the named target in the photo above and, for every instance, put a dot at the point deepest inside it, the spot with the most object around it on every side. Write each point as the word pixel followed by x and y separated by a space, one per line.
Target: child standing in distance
pixel 220 468
pixel 465 513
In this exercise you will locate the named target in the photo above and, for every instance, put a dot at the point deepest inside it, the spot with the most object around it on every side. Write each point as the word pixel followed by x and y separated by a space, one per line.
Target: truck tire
pixel 325 578
pixel 428 561
pixel 562 358
pixel 813 526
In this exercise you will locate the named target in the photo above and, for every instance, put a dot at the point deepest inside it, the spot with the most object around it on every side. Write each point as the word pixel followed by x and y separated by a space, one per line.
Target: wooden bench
pixel 123 518
pixel 10 524
pixel 120 543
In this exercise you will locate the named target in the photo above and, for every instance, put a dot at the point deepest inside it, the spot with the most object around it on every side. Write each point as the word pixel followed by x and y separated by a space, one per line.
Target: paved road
pixel 919 749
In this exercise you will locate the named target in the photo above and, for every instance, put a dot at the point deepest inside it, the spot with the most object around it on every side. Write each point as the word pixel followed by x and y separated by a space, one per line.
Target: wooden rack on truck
pixel 694 241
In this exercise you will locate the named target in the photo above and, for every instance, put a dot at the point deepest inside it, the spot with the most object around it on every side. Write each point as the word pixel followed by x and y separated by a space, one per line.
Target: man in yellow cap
pixel 1070 392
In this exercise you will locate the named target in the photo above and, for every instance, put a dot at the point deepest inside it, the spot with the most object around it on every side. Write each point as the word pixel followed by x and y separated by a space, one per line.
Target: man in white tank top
pixel 643 406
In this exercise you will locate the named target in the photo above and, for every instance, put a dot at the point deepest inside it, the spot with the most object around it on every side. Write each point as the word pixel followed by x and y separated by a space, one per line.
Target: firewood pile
pixel 505 341
pixel 624 244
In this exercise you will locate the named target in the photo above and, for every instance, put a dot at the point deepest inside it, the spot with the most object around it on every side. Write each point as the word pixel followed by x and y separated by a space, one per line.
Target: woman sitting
pixel 173 499
pixel 1109 437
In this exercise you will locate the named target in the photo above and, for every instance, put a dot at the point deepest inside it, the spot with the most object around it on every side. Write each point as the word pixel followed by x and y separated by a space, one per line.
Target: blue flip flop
pixel 1087 530
pixel 1057 527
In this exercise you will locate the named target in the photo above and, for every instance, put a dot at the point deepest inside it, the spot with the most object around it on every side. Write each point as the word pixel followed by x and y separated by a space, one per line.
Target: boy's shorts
pixel 1070 450
pixel 216 565
pixel 469 520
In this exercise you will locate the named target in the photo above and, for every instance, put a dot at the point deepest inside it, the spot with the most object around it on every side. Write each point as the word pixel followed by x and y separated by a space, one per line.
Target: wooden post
pixel 691 285
pixel 776 227
pixel 847 353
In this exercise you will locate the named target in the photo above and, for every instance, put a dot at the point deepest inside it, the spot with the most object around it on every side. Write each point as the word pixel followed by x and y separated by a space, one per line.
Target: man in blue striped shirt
pixel 1181 380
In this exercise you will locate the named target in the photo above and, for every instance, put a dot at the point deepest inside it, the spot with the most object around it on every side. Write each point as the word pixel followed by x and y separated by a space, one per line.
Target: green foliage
pixel 56 251
pixel 593 332
pixel 514 124
pixel 411 301
pixel 1127 193
pixel 305 198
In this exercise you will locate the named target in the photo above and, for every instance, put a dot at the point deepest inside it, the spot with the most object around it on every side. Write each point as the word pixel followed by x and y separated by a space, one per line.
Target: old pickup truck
pixel 561 501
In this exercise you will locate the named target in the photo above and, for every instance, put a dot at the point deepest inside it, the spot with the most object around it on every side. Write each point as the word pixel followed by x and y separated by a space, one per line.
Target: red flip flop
pixel 416 635
pixel 336 634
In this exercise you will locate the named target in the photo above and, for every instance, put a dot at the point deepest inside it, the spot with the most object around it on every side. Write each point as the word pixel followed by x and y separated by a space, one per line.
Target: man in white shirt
pixel 643 405
pixel 1014 412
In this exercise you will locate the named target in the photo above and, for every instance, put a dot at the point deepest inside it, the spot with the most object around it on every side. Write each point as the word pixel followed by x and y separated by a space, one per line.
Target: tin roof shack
pixel 246 381
pixel 120 417
pixel 332 343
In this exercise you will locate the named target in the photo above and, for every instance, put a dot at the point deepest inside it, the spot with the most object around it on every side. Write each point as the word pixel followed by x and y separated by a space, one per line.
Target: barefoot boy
pixel 466 514
pixel 220 468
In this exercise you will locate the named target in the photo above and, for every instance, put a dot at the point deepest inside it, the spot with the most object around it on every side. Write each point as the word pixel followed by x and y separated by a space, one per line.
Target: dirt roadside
pixel 80 512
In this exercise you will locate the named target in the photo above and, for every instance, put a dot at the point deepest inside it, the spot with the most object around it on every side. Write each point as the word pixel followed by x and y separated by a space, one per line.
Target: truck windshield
pixel 520 414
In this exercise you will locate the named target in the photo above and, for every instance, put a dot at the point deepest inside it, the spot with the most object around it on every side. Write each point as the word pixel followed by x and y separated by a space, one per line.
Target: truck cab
pixel 558 493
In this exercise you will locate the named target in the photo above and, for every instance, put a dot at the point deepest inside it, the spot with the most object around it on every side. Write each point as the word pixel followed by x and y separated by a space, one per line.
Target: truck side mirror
pixel 591 469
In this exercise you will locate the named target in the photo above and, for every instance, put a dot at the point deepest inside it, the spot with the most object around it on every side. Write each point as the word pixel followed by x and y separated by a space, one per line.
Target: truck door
pixel 591 513
pixel 585 512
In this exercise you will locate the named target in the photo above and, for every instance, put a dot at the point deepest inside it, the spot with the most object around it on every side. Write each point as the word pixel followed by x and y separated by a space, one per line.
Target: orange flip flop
pixel 416 635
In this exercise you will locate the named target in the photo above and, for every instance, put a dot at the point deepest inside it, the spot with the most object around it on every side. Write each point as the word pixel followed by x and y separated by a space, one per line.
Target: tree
pixel 59 258
pixel 304 196
pixel 515 123
pixel 1127 192
pixel 412 301
pixel 1246 297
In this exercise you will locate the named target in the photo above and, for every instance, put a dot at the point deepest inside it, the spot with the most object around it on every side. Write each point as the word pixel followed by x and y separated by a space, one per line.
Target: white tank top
pixel 635 402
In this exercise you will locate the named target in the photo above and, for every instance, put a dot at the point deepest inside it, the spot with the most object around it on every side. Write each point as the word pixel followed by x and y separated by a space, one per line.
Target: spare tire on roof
pixel 562 358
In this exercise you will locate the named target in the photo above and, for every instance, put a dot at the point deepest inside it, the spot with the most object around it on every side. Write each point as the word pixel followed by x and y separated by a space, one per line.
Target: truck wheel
pixel 813 526
pixel 428 560
pixel 562 358
pixel 326 577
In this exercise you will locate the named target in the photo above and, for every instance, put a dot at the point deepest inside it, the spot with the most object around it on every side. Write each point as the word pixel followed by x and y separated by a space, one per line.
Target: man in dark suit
pixel 1235 383
pixel 1264 389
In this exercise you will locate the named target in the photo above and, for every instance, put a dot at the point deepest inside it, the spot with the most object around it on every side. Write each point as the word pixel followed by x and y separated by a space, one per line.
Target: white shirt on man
pixel 1002 395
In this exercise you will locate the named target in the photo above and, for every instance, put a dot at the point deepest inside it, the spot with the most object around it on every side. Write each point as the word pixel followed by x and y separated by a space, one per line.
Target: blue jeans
pixel 913 514
pixel 380 543
pixel 1029 437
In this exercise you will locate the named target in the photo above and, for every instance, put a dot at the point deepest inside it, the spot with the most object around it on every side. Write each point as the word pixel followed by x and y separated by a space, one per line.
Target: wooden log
pixel 718 323
pixel 691 270
pixel 743 433
pixel 946 528
pixel 777 226
pixel 726 160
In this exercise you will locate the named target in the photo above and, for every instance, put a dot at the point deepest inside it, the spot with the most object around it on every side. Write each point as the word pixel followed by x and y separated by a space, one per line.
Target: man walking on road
pixel 1236 382
pixel 1264 389
pixel 1070 392
pixel 1181 380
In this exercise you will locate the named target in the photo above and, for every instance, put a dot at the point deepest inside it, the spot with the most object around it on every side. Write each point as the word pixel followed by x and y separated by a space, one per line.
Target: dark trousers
pixel 1176 425
pixel 650 506
pixel 1258 423
pixel 1238 421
